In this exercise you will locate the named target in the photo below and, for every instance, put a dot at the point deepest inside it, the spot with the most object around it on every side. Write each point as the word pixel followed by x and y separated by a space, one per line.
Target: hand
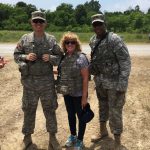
pixel 1 65
pixel 45 57
pixel 83 102
pixel 31 57
pixel 2 62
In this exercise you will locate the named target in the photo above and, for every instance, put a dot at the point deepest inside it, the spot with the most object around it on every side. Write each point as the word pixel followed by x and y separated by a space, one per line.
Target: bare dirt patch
pixel 136 134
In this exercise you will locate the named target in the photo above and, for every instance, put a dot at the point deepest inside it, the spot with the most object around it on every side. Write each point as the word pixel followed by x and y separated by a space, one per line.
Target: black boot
pixel 27 142
pixel 117 138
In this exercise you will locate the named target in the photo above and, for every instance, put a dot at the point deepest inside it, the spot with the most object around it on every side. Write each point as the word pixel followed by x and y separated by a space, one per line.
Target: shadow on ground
pixel 106 144
pixel 34 147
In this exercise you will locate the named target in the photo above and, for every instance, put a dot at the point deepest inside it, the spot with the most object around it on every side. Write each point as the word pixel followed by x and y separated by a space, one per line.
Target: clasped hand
pixel 33 57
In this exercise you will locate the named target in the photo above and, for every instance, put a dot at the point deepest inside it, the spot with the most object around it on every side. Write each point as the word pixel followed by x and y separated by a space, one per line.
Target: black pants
pixel 73 106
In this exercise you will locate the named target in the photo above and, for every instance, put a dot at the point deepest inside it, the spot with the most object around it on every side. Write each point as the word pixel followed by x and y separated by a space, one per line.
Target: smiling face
pixel 70 45
pixel 99 28
pixel 38 25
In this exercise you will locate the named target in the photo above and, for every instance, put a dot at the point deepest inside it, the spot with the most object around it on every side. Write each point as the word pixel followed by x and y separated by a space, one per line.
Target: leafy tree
pixel 148 11
pixel 129 11
pixel 5 11
pixel 21 4
pixel 64 15
pixel 80 14
pixel 93 6
pixel 137 8
pixel 65 18
pixel 28 9
pixel 138 22
pixel 65 7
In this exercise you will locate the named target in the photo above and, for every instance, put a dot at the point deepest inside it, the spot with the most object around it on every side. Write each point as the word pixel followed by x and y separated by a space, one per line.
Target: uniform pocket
pixel 62 89
pixel 111 69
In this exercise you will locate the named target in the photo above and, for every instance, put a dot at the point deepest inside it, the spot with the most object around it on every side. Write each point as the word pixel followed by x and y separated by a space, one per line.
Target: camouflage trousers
pixel 111 104
pixel 29 105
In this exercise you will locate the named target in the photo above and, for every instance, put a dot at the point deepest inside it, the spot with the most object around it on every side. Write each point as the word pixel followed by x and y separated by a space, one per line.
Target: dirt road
pixel 136 134
pixel 134 49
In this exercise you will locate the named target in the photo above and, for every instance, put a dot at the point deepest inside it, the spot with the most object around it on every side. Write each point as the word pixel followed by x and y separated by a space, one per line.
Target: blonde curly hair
pixel 70 36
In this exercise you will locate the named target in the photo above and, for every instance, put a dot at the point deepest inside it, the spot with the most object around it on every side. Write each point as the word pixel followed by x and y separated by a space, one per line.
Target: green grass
pixel 14 36
pixel 11 36
pixel 135 37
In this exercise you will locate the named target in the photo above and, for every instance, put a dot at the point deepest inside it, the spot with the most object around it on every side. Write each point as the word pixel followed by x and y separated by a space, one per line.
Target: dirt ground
pixel 136 114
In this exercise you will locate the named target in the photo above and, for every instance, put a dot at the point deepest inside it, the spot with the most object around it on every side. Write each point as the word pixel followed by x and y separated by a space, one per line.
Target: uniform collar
pixel 32 37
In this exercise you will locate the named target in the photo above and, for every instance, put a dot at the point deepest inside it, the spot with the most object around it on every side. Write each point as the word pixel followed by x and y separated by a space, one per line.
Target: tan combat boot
pixel 103 133
pixel 53 143
pixel 117 144
pixel 27 142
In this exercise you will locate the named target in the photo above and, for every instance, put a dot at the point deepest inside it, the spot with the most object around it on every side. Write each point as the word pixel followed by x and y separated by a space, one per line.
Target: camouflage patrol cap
pixel 98 18
pixel 38 15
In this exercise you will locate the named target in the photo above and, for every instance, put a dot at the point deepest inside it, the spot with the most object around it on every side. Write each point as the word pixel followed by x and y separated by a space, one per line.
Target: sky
pixel 106 5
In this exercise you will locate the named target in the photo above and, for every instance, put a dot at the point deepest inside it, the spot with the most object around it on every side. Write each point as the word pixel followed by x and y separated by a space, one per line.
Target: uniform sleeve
pixel 92 42
pixel 56 53
pixel 19 53
pixel 124 62
pixel 82 62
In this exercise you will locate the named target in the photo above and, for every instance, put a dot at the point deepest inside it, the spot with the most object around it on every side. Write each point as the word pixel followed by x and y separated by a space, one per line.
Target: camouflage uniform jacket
pixel 70 76
pixel 40 71
pixel 110 62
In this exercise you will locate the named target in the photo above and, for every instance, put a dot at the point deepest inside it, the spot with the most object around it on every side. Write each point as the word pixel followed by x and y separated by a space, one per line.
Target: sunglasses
pixel 70 42
pixel 38 21
pixel 95 24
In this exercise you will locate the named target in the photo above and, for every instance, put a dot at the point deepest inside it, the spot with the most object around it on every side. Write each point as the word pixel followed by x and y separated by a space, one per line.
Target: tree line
pixel 78 19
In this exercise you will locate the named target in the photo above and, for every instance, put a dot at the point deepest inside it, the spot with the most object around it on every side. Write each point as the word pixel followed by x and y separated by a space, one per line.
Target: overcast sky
pixel 107 5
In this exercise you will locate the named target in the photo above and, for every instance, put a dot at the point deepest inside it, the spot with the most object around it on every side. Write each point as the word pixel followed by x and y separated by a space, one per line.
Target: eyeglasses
pixel 95 24
pixel 70 42
pixel 38 21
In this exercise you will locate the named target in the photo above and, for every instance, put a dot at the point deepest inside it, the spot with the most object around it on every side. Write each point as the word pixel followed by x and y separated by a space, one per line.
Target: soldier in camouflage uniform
pixel 36 53
pixel 110 65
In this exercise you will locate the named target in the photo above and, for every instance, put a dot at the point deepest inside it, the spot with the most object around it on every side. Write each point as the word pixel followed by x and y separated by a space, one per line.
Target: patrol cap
pixel 98 18
pixel 87 114
pixel 38 15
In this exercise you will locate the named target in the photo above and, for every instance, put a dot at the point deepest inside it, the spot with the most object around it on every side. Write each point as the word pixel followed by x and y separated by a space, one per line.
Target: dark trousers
pixel 73 107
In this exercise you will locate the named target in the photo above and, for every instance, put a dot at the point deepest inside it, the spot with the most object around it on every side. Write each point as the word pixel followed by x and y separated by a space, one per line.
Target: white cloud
pixel 144 4
pixel 116 5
